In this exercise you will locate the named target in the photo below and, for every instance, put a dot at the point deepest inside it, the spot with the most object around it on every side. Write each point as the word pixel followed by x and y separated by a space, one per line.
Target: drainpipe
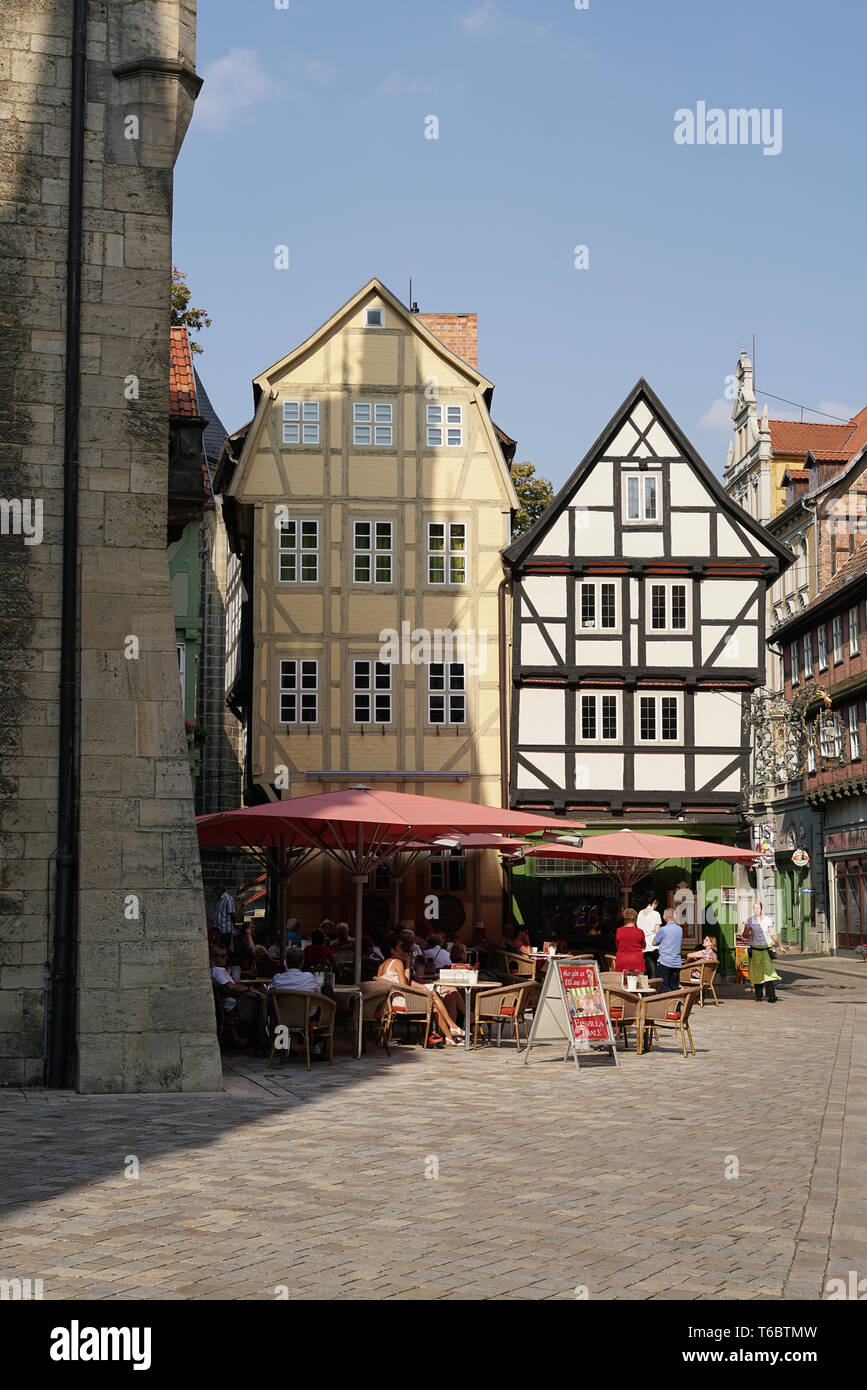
pixel 504 703
pixel 60 1002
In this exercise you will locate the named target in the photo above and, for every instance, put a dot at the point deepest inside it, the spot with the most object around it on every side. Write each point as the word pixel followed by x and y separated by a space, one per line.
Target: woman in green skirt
pixel 759 935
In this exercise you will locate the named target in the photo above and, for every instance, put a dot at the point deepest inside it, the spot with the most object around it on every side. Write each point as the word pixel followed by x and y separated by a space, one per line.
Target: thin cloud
pixel 232 85
pixel 485 18
pixel 318 71
pixel 719 416
pixel 396 85
pixel 837 408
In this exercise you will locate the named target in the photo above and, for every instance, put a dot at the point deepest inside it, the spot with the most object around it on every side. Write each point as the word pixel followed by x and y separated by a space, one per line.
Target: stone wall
pixel 144 1017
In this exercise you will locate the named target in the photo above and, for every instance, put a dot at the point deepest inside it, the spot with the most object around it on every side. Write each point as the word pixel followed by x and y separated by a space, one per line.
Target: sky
pixel 556 130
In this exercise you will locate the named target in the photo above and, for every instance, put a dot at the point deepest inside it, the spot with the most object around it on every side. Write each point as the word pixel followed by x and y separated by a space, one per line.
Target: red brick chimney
pixel 458 332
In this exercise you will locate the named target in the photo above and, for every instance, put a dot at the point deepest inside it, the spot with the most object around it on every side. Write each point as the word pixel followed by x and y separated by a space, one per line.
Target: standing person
pixel 649 921
pixel 669 939
pixel 630 944
pixel 224 915
pixel 759 935
pixel 684 909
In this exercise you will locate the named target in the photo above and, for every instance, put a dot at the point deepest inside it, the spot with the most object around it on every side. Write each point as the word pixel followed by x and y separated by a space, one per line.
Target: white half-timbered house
pixel 639 632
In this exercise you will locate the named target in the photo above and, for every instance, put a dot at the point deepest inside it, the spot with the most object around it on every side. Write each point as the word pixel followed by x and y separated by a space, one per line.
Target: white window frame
pixel 807 644
pixel 822 646
pixel 451 554
pixel 642 519
pixel 445 426
pixel 657 697
pixel 854 734
pixel 668 585
pixel 373 552
pixel 297 550
pixel 291 687
pixel 837 637
pixel 811 752
pixel 826 748
pixel 795 662
pixel 182 669
pixel 301 419
pixel 376 419
pixel 376 687
pixel 374 309
pixel 453 674
pixel 855 630
pixel 597 696
pixel 596 586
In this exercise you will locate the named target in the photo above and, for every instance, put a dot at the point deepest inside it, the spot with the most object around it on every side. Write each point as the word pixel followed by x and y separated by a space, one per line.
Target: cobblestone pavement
pixel 548 1182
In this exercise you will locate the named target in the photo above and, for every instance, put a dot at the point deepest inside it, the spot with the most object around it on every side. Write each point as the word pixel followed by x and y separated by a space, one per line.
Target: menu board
pixel 572 1011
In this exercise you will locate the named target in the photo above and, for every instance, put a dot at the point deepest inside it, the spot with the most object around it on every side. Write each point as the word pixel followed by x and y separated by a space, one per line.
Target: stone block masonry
pixel 144 1008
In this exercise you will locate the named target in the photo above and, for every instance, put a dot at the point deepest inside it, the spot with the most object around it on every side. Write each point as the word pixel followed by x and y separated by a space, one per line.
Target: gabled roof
pixel 516 552
pixel 182 386
pixel 826 443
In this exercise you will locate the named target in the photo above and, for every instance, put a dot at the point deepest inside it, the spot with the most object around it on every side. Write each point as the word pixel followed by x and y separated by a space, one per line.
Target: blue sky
pixel 556 130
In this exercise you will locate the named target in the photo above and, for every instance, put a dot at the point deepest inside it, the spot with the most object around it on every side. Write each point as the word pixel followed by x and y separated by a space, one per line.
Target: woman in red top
pixel 630 944
pixel 317 953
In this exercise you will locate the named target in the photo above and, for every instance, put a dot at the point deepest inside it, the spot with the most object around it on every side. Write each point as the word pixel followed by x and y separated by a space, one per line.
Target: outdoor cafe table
pixel 468 990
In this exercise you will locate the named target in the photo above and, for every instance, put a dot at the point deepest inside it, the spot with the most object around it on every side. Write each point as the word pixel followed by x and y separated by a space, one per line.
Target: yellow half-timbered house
pixel 368 502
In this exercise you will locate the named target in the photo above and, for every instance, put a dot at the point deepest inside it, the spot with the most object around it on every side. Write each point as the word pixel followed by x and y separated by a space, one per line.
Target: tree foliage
pixel 534 495
pixel 183 313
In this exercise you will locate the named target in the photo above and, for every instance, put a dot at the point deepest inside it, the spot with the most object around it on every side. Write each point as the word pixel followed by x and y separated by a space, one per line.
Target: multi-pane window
pixel 598 605
pixel 372 552
pixel 298 552
pixel 658 719
pixel 444 426
pixel 794 653
pixel 642 497
pixel 668 608
pixel 447 552
pixel 837 636
pixel 448 871
pixel 854 735
pixel 447 692
pixel 372 423
pixel 299 692
pixel 822 640
pixel 371 692
pixel 300 422
pixel 599 717
pixel 854 632
pixel 808 655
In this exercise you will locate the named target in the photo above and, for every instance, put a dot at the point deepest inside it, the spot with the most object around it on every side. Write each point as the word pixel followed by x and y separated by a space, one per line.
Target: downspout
pixel 504 704
pixel 61 996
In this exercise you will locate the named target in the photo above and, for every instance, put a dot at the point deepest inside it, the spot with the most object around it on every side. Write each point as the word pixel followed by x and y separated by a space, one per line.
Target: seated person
pixel 341 939
pixel 707 952
pixel 517 940
pixel 239 1000
pixel 396 969
pixel 293 933
pixel 439 957
pixel 376 939
pixel 630 944
pixel 293 976
pixel 242 948
pixel 317 953
pixel 371 958
pixel 264 962
pixel 407 940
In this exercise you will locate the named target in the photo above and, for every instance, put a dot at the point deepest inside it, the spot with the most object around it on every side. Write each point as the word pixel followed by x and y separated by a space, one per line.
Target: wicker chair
pixel 624 1008
pixel 611 979
pixel 414 1004
pixel 706 972
pixel 293 1008
pixel 609 961
pixel 499 1006
pixel 376 1013
pixel 512 967
pixel 670 1012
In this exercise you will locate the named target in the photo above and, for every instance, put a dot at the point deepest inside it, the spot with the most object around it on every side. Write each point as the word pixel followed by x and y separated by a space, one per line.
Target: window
pixel 598 718
pixel 830 735
pixel 372 552
pixel 808 656
pixel 448 871
pixel 299 552
pixel 598 605
pixel 793 656
pixel 642 497
pixel 854 632
pixel 372 423
pixel 300 422
pixel 447 692
pixel 837 637
pixel 299 692
pixel 374 318
pixel 658 718
pixel 371 692
pixel 182 669
pixel 822 639
pixel 803 573
pixel 668 608
pixel 447 552
pixel 453 423
pixel 854 735
pixel 811 752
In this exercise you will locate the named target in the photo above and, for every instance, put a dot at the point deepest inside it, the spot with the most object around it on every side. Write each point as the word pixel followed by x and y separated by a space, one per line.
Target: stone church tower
pixel 103 955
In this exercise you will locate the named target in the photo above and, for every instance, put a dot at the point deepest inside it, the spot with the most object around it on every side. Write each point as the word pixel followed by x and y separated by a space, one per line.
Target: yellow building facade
pixel 370 504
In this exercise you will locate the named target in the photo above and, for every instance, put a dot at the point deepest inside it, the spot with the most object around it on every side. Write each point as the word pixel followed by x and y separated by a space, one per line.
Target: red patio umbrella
pixel 359 829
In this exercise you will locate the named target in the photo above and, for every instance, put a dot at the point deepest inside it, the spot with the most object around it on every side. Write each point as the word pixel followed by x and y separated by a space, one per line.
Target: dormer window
pixel 374 318
pixel 642 497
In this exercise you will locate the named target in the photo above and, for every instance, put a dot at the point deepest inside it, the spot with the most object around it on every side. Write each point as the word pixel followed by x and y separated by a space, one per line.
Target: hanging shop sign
pixel 800 859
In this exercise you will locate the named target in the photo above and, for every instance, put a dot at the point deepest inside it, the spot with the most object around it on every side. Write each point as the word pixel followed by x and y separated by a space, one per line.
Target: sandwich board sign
pixel 573 1011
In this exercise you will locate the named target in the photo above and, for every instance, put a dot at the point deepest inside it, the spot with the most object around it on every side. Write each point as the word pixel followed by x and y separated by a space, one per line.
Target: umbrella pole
pixel 360 880
pixel 283 896
pixel 396 898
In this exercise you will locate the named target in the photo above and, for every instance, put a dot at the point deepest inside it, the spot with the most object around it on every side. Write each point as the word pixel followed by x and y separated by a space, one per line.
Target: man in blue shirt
pixel 669 939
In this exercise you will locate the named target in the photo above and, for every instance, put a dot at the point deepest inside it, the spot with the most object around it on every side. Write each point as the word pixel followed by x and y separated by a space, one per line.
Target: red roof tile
pixel 182 386
pixel 827 443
